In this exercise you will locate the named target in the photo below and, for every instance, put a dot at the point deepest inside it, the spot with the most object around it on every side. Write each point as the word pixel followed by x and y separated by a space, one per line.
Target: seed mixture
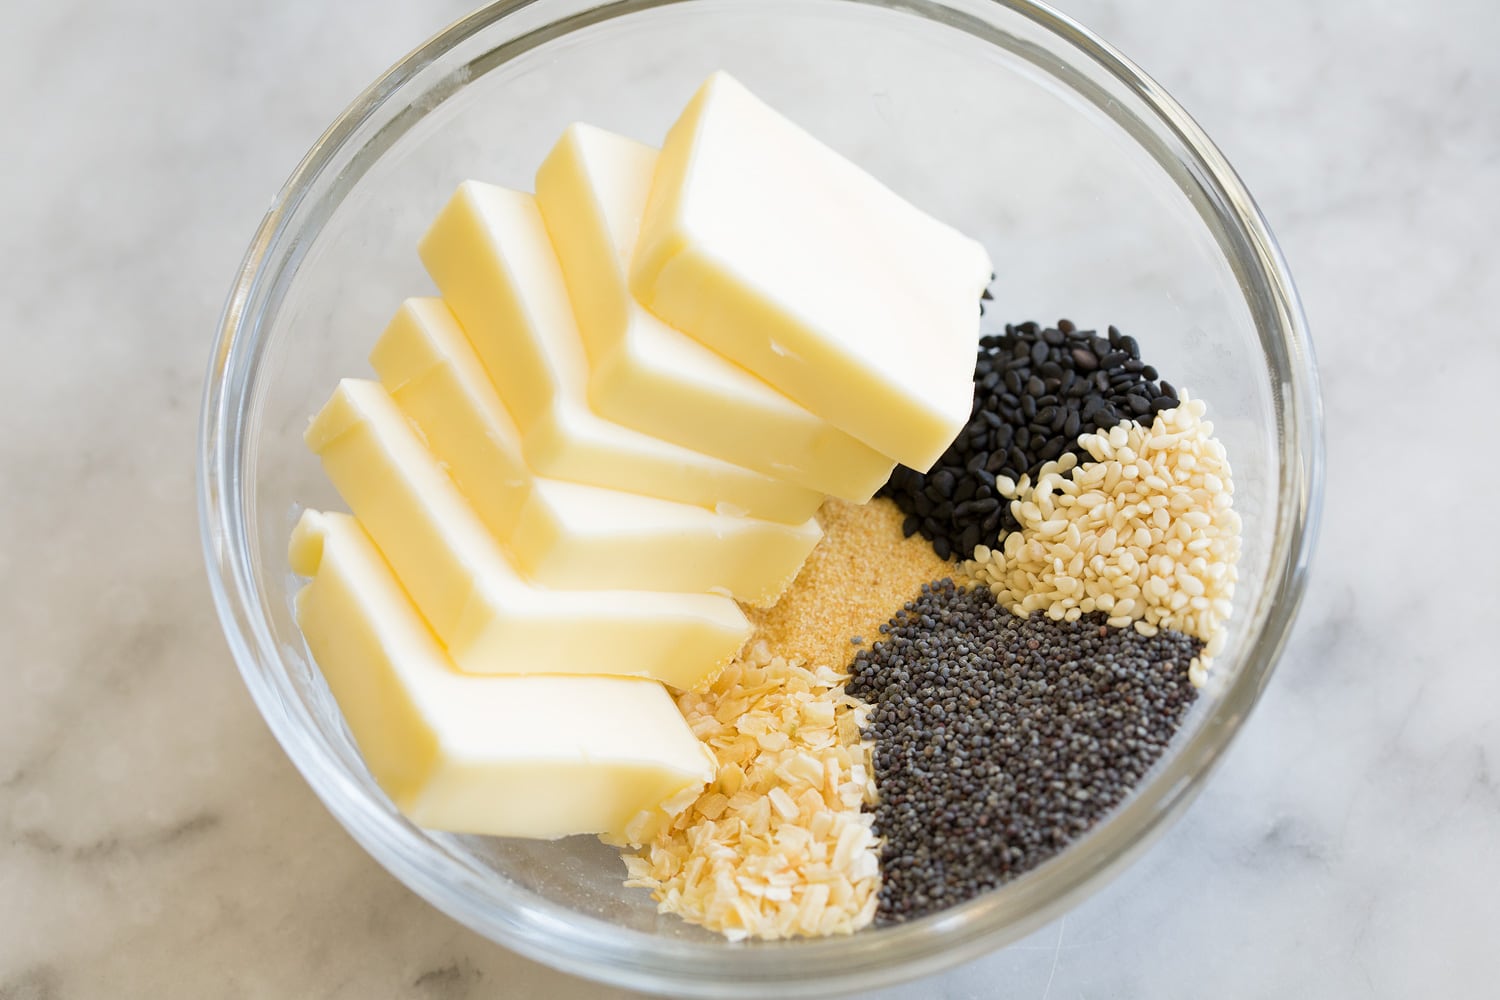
pixel 1145 531
pixel 999 739
pixel 1035 391
pixel 875 769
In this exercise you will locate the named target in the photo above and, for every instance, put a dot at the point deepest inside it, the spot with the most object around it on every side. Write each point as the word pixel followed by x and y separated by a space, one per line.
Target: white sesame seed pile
pixel 778 846
pixel 1145 531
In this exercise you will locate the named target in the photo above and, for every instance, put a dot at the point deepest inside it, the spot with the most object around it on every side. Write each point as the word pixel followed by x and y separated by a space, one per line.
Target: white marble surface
pixel 154 842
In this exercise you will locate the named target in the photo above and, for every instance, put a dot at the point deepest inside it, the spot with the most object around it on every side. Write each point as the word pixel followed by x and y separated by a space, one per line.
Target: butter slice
pixel 564 534
pixel 592 191
pixel 786 258
pixel 430 370
pixel 489 253
pixel 490 619
pixel 587 538
pixel 505 756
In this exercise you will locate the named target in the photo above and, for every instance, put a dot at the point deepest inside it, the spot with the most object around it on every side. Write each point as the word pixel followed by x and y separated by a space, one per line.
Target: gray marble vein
pixel 154 841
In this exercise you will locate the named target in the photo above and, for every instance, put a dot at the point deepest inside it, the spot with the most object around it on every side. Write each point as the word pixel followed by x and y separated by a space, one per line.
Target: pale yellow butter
pixel 492 259
pixel 587 538
pixel 490 619
pixel 592 191
pixel 786 258
pixel 428 367
pixel 505 756
pixel 562 534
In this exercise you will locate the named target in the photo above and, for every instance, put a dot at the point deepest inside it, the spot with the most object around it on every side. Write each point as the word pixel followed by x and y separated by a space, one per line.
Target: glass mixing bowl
pixel 1099 200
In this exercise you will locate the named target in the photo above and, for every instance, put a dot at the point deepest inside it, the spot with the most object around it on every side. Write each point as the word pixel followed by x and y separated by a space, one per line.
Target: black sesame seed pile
pixel 1035 391
pixel 1000 739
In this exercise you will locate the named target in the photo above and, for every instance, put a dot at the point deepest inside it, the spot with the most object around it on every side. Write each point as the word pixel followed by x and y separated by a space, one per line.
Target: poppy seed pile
pixel 1035 391
pixel 998 739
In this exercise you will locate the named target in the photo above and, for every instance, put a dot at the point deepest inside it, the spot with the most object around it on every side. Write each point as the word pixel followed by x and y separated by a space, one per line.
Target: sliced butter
pixel 505 756
pixel 489 253
pixel 592 191
pixel 563 534
pixel 489 618
pixel 786 258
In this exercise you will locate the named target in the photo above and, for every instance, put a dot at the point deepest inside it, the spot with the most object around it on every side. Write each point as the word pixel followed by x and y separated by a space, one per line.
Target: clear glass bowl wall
pixel 1098 200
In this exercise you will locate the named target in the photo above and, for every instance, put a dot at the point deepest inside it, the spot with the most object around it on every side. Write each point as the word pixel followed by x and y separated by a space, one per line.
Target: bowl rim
pixel 587 946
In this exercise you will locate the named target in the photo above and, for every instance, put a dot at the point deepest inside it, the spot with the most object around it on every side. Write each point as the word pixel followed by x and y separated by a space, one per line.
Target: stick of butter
pixel 490 619
pixel 505 756
pixel 786 258
pixel 489 253
pixel 592 190
pixel 561 534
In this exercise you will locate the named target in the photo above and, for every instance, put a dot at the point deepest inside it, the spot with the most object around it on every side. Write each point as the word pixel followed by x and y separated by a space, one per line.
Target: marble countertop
pixel 154 840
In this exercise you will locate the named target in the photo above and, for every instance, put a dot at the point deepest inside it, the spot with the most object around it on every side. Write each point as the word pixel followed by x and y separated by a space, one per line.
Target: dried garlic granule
pixel 1146 532
pixel 861 573
pixel 779 844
